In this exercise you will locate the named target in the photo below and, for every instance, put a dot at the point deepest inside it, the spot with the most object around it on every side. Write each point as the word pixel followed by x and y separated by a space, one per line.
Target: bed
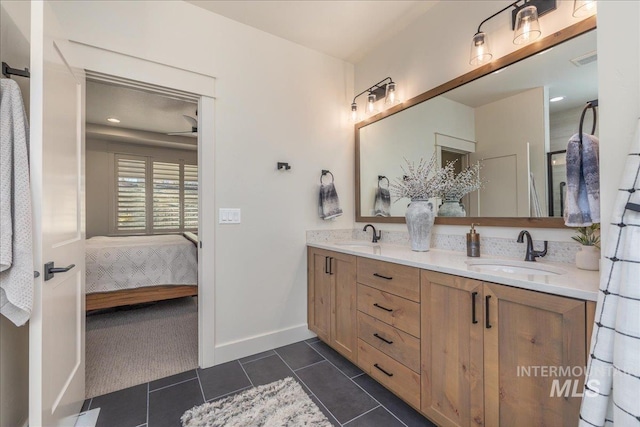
pixel 139 269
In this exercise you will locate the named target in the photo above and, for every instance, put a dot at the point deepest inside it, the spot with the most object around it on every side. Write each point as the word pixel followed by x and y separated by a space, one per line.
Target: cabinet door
pixel 342 270
pixel 319 293
pixel 452 355
pixel 530 338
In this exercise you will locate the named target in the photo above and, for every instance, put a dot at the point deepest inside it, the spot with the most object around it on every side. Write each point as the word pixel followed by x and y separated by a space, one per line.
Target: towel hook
pixel 592 106
pixel 324 172
pixel 380 178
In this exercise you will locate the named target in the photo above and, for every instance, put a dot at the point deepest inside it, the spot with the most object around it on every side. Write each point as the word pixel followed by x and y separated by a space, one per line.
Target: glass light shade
pixel 391 94
pixel 371 103
pixel 480 50
pixel 354 112
pixel 583 8
pixel 527 25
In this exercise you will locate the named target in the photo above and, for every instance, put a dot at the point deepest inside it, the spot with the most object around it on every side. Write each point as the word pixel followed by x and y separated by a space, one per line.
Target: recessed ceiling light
pixel 498 71
pixel 113 120
pixel 556 99
pixel 545 51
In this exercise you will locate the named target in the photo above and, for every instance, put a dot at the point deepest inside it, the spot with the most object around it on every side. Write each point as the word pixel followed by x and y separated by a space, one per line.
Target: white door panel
pixel 56 354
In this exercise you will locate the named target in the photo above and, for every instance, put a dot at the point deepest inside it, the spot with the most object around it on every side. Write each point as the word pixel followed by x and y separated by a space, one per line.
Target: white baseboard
pixel 229 351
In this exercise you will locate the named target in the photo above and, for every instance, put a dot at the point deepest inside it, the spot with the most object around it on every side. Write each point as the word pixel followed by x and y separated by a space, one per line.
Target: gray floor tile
pixel 267 370
pixel 312 340
pixel 125 408
pixel 336 358
pixel 167 405
pixel 339 394
pixel 85 405
pixel 324 410
pixel 222 379
pixel 379 417
pixel 299 355
pixel 256 356
pixel 400 409
pixel 173 379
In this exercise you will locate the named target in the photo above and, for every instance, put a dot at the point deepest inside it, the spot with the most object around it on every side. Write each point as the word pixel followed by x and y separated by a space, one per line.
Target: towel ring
pixel 592 106
pixel 324 172
pixel 380 178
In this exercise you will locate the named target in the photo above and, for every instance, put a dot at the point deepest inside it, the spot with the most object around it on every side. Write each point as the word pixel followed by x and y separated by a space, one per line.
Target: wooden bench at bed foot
pixel 111 299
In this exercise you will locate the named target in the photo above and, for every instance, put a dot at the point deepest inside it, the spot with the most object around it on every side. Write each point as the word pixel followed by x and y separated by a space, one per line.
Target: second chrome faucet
pixel 531 254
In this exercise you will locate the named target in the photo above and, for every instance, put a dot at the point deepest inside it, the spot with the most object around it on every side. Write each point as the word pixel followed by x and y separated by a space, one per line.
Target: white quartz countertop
pixel 575 283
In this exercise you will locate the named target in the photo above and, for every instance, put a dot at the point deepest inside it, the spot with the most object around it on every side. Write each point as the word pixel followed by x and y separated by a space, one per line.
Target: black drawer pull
pixel 486 301
pixel 382 277
pixel 382 339
pixel 331 266
pixel 326 265
pixel 385 372
pixel 384 308
pixel 473 307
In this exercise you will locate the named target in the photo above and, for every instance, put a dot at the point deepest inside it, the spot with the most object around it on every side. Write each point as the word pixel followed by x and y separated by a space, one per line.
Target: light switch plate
pixel 229 216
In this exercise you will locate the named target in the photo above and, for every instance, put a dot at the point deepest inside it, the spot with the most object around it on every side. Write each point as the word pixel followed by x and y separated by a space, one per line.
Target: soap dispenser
pixel 473 242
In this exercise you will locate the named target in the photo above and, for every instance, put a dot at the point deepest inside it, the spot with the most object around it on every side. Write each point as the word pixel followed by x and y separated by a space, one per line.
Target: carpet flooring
pixel 138 344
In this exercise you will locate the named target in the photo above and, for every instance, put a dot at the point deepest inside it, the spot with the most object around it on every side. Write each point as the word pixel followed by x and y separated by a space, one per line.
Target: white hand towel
pixel 582 205
pixel 16 255
pixel 382 202
pixel 329 204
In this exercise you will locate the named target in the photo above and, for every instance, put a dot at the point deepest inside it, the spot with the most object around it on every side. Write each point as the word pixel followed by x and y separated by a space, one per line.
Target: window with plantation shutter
pixel 155 197
pixel 131 195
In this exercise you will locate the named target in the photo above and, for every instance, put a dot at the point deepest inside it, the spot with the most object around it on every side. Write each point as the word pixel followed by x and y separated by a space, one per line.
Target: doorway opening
pixel 142 222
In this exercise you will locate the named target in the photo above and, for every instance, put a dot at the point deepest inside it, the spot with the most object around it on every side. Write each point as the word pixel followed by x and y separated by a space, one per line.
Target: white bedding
pixel 117 263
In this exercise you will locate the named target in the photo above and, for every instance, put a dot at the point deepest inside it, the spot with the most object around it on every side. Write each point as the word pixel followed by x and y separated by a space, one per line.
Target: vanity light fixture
pixel 384 88
pixel 113 120
pixel 583 8
pixel 524 22
pixel 556 99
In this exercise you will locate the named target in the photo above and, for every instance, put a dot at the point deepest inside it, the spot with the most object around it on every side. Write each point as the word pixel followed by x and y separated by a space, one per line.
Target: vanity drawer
pixel 391 309
pixel 393 375
pixel 394 278
pixel 391 341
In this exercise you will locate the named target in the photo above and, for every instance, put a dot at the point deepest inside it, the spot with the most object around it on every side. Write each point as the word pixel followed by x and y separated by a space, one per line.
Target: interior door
pixel 56 354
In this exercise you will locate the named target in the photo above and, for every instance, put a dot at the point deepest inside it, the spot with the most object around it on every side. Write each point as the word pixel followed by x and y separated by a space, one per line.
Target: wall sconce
pixel 384 88
pixel 524 22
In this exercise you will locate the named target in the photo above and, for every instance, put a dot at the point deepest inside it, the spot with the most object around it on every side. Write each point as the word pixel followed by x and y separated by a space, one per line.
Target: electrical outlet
pixel 229 216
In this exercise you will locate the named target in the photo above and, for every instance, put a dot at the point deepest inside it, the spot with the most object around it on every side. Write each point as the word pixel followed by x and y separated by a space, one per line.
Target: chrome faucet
pixel 376 237
pixel 531 254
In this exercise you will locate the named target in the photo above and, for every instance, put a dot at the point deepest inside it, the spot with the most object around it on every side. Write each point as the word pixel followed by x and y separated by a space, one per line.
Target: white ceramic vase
pixel 420 218
pixel 452 208
pixel 588 258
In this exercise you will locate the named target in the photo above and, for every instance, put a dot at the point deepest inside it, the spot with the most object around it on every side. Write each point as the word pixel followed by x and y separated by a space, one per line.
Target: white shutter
pixel 131 195
pixel 190 188
pixel 166 196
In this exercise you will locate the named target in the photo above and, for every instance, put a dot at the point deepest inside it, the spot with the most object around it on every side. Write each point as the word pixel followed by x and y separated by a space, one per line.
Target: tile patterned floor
pixel 347 396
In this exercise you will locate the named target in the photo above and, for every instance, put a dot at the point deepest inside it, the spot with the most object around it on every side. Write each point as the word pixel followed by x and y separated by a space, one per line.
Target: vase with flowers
pixel 588 256
pixel 420 183
pixel 455 187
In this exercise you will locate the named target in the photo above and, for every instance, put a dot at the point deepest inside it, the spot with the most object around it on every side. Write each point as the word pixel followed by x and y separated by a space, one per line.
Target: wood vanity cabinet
pixel 477 341
pixel 331 311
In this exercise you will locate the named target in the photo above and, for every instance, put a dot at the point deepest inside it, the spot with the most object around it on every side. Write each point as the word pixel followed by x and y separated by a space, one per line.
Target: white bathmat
pixel 281 403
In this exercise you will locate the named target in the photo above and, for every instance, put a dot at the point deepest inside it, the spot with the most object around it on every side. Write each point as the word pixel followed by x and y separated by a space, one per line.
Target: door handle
pixel 50 270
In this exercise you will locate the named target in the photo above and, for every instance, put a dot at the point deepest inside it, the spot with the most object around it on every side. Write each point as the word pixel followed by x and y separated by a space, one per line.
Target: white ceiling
pixel 343 29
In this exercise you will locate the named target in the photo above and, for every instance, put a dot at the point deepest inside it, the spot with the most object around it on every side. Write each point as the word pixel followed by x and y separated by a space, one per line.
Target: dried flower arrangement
pixel 457 186
pixel 421 182
pixel 588 236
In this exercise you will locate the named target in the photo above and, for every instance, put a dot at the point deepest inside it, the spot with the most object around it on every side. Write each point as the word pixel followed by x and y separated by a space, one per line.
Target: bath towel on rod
pixel 582 205
pixel 16 255
pixel 329 203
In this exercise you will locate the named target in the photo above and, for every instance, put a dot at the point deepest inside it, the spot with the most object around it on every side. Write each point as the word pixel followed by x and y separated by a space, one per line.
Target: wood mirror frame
pixel 554 39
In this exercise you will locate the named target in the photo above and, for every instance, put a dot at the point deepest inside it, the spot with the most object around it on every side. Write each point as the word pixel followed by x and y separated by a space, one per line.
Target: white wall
pixel 100 158
pixel 275 101
pixel 14 342
pixel 435 49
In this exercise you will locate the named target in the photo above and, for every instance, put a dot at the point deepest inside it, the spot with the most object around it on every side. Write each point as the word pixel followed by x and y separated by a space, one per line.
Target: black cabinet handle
pixel 385 372
pixel 486 309
pixel 331 265
pixel 382 339
pixel 473 307
pixel 382 277
pixel 384 308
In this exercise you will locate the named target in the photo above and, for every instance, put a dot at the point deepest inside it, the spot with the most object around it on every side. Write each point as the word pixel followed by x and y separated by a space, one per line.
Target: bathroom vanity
pixel 463 344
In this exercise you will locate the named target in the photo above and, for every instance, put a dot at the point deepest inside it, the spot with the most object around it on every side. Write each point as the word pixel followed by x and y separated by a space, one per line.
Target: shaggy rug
pixel 281 403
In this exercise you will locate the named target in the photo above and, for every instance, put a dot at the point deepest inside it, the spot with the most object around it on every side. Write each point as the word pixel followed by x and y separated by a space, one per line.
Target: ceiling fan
pixel 193 121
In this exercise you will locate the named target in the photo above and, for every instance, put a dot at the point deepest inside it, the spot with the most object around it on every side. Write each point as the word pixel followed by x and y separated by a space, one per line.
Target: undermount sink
pixel 356 244
pixel 515 267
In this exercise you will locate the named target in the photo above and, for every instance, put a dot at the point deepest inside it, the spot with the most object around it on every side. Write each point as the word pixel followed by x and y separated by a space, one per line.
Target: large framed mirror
pixel 505 115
